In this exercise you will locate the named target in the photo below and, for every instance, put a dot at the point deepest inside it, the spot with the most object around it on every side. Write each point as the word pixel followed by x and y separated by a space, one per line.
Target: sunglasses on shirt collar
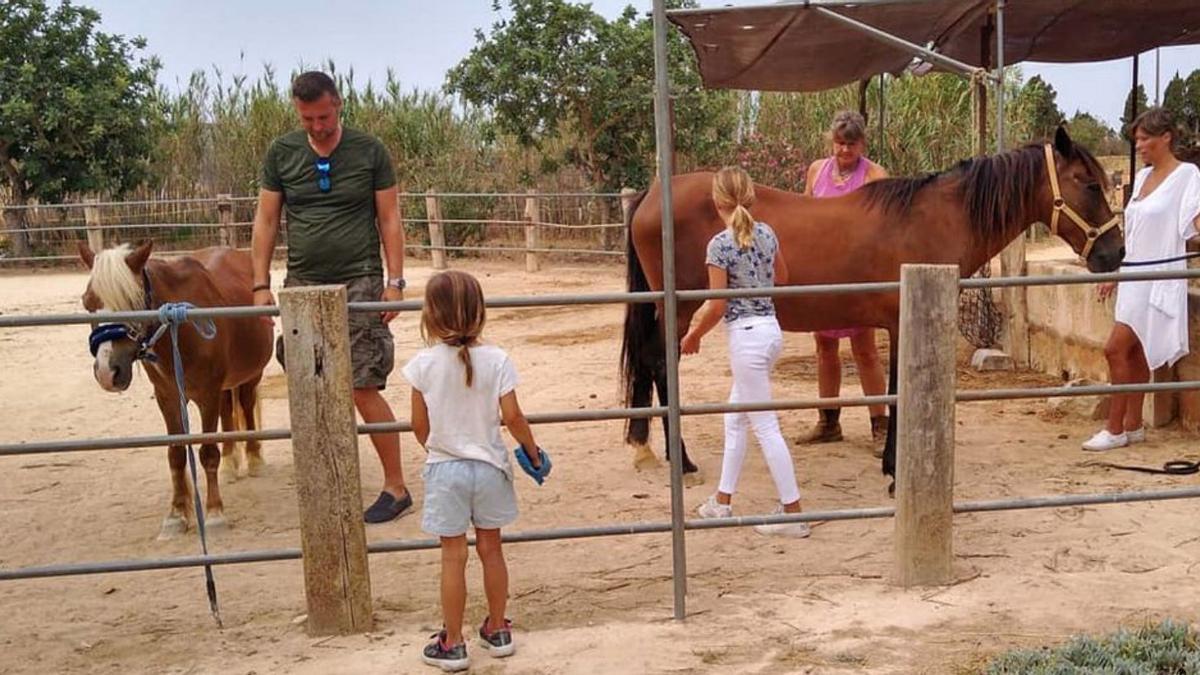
pixel 324 181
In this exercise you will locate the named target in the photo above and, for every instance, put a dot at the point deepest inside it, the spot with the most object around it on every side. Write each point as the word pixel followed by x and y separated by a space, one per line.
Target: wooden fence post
pixel 533 216
pixel 925 428
pixel 91 218
pixel 437 238
pixel 316 338
pixel 225 213
pixel 1015 338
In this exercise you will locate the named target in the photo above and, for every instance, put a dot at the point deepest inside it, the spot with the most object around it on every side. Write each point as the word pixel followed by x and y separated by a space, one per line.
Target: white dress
pixel 1158 227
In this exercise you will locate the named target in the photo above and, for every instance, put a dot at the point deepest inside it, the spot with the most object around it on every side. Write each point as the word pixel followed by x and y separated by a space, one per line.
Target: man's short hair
pixel 314 84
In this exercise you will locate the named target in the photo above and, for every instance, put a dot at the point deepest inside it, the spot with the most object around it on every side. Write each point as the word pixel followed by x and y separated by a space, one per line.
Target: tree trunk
pixel 14 219
pixel 14 225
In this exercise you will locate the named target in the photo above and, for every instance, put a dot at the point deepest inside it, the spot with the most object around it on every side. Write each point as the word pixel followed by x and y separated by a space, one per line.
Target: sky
pixel 421 39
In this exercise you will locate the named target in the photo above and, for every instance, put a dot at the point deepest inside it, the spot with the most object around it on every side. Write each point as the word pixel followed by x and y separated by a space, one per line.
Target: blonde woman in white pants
pixel 745 255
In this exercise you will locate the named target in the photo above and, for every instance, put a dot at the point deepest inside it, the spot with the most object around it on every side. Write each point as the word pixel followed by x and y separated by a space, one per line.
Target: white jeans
pixel 754 346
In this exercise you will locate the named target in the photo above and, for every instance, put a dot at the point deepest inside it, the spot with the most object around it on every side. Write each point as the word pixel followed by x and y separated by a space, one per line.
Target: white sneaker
pixel 711 509
pixel 1138 435
pixel 1105 440
pixel 793 530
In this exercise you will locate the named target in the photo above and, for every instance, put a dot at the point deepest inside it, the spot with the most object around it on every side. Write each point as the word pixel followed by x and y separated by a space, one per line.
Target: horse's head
pixel 116 285
pixel 1079 212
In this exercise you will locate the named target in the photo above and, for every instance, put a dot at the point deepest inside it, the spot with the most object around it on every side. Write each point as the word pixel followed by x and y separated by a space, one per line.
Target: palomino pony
pixel 221 374
pixel 964 216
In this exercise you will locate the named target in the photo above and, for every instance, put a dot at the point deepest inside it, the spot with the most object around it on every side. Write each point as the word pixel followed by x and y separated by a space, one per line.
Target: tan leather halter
pixel 1092 232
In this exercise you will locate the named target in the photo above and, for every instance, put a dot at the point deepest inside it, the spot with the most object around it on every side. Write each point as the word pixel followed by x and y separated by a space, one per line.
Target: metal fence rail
pixel 557 534
pixel 617 297
pixel 254 198
pixel 605 414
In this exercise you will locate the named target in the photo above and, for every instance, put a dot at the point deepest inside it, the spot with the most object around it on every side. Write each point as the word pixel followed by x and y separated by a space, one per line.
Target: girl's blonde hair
pixel 454 314
pixel 734 191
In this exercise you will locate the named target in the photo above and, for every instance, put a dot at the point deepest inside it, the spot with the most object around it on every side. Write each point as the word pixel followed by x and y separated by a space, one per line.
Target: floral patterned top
pixel 750 267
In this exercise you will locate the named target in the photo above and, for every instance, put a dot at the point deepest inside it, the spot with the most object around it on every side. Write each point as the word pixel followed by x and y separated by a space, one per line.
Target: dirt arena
pixel 756 605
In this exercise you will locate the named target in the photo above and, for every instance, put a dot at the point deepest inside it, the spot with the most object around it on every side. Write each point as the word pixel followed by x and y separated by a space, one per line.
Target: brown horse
pixel 221 374
pixel 963 216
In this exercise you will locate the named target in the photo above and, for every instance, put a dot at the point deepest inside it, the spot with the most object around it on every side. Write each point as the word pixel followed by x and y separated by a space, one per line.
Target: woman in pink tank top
pixel 840 174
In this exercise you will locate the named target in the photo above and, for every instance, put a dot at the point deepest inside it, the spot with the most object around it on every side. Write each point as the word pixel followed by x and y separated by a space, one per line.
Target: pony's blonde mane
pixel 117 287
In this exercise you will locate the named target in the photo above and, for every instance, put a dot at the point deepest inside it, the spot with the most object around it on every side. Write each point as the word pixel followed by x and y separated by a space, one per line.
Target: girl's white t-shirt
pixel 464 422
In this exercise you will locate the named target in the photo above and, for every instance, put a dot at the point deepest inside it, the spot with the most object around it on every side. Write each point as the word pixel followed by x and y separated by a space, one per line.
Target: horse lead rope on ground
pixel 174 315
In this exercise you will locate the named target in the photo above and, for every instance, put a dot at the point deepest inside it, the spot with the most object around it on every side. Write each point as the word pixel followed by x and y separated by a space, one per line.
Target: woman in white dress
pixel 1151 316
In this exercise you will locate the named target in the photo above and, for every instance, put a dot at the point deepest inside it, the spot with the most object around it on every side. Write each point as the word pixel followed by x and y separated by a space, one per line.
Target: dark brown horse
pixel 221 374
pixel 964 216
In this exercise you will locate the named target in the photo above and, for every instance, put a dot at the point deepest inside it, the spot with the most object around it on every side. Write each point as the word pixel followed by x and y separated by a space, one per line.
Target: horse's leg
pixel 176 521
pixel 889 446
pixel 210 459
pixel 691 472
pixel 230 460
pixel 638 433
pixel 251 409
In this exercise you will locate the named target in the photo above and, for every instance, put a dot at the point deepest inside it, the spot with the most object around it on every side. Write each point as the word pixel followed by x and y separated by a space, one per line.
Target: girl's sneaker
pixel 450 658
pixel 499 642
pixel 711 509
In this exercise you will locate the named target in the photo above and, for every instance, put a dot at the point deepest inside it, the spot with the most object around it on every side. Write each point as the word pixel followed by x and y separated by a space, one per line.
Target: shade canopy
pixel 793 46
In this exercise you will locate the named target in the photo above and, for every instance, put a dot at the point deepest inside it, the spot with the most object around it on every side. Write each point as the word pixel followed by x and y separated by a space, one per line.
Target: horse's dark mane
pixel 998 191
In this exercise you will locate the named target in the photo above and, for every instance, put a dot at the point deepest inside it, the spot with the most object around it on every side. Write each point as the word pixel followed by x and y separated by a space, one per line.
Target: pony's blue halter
pixel 170 313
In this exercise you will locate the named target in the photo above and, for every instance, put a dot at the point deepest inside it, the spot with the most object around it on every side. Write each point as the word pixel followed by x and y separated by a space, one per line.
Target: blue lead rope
pixel 174 315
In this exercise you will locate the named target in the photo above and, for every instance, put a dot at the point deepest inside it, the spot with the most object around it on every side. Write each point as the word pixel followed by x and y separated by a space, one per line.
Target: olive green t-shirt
pixel 332 236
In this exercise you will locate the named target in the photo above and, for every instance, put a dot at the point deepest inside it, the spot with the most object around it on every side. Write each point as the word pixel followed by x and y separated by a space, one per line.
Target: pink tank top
pixel 825 186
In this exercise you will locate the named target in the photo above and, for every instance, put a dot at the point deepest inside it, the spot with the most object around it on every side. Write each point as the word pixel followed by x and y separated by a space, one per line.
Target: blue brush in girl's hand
pixel 539 474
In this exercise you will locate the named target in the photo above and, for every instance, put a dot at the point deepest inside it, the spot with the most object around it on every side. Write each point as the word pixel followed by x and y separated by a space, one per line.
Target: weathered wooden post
pixel 225 213
pixel 925 428
pixel 533 218
pixel 91 218
pixel 437 238
pixel 316 338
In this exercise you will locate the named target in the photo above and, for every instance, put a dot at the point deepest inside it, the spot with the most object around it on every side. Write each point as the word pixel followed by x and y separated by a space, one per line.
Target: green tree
pixel 1093 134
pixel 1037 108
pixel 1175 101
pixel 1191 107
pixel 558 71
pixel 1128 116
pixel 78 109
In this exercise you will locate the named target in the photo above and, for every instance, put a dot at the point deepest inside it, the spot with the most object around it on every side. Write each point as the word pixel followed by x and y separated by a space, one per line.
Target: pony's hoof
pixel 215 522
pixel 644 459
pixel 255 465
pixel 229 473
pixel 172 527
pixel 693 479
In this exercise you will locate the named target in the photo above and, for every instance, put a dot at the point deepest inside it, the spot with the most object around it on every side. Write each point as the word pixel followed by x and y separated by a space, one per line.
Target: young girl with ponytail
pixel 461 390
pixel 746 255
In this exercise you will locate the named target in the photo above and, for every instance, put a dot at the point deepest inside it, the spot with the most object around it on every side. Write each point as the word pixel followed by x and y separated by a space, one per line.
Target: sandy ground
pixel 756 605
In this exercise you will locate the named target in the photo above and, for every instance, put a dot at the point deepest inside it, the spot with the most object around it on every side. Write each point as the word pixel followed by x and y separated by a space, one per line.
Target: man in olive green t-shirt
pixel 339 189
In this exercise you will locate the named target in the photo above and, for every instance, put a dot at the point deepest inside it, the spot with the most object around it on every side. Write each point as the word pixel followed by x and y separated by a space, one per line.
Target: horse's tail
pixel 641 345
